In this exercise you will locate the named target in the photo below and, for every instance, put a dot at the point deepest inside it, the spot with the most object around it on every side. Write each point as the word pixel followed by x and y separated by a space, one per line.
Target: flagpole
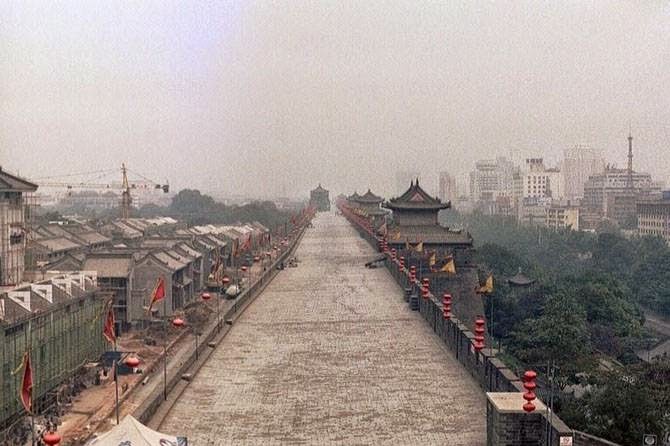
pixel 32 385
pixel 493 337
pixel 164 350
pixel 32 407
pixel 32 417
pixel 116 383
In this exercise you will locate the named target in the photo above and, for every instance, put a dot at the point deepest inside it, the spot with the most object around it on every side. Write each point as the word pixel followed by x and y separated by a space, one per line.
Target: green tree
pixel 559 335
pixel 624 404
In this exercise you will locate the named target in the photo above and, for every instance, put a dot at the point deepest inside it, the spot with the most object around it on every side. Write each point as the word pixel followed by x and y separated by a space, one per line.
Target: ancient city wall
pixel 490 372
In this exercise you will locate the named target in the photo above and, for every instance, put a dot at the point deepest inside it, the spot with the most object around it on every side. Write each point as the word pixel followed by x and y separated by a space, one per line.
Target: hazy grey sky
pixel 263 97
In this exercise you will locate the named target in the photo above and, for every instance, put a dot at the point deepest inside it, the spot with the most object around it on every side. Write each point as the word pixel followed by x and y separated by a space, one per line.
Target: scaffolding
pixel 60 339
pixel 16 210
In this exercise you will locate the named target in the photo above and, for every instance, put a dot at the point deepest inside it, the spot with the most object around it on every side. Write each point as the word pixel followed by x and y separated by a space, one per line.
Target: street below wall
pixel 329 353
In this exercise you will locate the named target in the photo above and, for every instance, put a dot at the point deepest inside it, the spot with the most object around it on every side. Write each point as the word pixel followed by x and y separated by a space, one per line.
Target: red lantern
pixel 178 322
pixel 132 362
pixel 402 263
pixel 479 333
pixel 206 296
pixel 51 438
pixel 529 384
pixel 257 259
pixel 244 269
pixel 393 254
pixel 446 306
pixel 225 280
pixel 425 292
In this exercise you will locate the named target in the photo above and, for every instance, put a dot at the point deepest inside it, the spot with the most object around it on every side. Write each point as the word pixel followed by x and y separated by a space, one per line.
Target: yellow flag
pixel 449 267
pixel 433 260
pixel 396 236
pixel 419 247
pixel 407 244
pixel 487 288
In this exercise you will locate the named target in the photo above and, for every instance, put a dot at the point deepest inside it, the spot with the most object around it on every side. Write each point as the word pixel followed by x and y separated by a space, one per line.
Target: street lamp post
pixel 178 322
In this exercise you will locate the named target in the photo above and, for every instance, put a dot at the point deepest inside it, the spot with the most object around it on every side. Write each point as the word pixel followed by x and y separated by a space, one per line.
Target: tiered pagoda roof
pixel 415 198
pixel 415 220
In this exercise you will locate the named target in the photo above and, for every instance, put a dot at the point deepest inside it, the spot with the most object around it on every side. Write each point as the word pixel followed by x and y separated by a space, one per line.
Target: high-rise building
pixel 614 193
pixel 607 192
pixel 540 182
pixel 492 179
pixel 447 187
pixel 579 163
pixel 653 218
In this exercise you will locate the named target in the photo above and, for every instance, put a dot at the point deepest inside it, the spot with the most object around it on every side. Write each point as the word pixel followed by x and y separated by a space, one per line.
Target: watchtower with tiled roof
pixel 415 207
pixel 370 203
pixel 319 199
pixel 415 220
pixel 415 223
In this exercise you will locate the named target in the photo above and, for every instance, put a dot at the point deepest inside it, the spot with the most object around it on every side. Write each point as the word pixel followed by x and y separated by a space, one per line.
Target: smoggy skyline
pixel 267 98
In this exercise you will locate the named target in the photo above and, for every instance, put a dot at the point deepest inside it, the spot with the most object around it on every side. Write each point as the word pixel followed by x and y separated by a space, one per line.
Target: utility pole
pixel 125 193
pixel 630 162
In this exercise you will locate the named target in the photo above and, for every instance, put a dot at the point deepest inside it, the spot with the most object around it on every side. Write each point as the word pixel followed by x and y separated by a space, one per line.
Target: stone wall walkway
pixel 330 354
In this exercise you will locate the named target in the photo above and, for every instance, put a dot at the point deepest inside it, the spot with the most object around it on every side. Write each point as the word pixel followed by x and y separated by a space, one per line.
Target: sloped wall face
pixel 466 304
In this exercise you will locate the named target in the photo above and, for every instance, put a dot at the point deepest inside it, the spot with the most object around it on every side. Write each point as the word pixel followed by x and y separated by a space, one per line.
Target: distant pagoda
pixel 319 199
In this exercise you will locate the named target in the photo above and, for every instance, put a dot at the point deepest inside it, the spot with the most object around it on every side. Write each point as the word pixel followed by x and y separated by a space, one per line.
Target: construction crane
pixel 125 186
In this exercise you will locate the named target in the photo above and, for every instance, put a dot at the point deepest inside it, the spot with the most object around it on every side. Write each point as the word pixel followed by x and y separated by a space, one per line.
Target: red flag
pixel 108 330
pixel 26 392
pixel 247 243
pixel 158 293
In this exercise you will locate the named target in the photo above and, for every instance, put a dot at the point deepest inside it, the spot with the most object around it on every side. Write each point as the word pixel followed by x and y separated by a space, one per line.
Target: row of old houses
pixel 57 278
pixel 129 266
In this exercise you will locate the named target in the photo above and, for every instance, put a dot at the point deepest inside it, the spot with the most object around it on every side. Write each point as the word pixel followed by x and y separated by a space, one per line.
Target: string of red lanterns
pixel 479 333
pixel 529 384
pixel 446 306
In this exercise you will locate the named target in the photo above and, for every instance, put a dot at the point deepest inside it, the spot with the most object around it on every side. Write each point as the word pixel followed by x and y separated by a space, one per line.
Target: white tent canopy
pixel 131 432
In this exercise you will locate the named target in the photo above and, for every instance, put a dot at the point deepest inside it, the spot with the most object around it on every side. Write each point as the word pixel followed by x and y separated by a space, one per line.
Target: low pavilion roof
pixel 520 279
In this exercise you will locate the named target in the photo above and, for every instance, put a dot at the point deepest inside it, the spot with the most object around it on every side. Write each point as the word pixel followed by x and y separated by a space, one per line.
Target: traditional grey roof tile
pixel 416 198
